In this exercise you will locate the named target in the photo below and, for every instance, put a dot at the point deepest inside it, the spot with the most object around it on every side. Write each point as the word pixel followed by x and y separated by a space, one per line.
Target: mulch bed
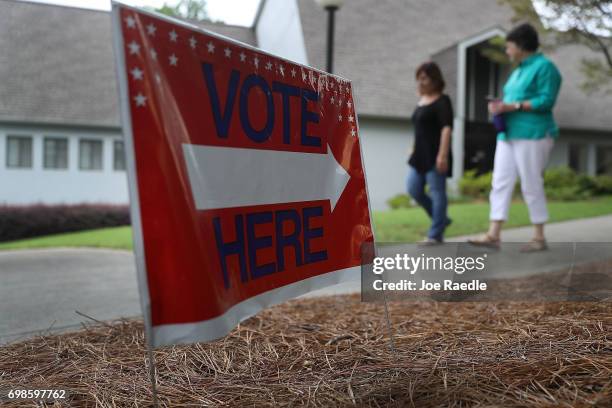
pixel 328 352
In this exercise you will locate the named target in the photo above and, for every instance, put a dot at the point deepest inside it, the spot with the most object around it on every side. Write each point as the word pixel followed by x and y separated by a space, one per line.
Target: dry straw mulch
pixel 328 352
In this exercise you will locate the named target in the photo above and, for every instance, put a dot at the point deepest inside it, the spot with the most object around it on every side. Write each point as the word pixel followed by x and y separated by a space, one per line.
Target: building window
pixel 90 154
pixel 604 160
pixel 118 155
pixel 578 157
pixel 55 153
pixel 19 151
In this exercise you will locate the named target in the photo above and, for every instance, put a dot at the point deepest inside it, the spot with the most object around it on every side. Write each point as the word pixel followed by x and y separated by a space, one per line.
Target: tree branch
pixel 602 10
pixel 595 37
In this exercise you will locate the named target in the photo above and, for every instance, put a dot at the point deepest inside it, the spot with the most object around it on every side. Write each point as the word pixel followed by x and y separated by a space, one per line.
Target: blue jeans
pixel 436 203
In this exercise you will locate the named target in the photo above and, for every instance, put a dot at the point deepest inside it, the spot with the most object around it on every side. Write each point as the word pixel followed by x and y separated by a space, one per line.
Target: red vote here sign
pixel 246 179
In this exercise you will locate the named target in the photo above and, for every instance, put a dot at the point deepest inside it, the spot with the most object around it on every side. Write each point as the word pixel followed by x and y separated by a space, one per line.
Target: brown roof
pixel 57 64
pixel 379 44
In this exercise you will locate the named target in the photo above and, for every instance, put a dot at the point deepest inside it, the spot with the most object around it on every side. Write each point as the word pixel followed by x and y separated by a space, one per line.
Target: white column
pixel 37 151
pixel 2 152
pixel 73 153
pixel 458 153
pixel 458 138
pixel 107 154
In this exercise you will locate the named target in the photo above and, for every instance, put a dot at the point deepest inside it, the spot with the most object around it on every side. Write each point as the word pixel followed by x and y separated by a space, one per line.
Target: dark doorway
pixel 486 72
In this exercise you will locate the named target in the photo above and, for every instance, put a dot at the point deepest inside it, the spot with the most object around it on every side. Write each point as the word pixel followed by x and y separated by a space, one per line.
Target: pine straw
pixel 328 352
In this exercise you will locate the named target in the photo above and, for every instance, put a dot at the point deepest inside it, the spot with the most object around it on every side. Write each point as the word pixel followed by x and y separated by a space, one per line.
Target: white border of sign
pixel 220 326
pixel 126 122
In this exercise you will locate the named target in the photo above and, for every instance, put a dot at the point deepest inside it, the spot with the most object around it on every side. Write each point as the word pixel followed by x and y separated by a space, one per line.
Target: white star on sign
pixel 304 76
pixel 293 72
pixel 136 74
pixel 351 118
pixel 228 52
pixel 173 36
pixel 153 54
pixel 353 133
pixel 268 65
pixel 193 42
pixel 242 57
pixel 331 100
pixel 173 60
pixel 134 47
pixel 151 29
pixel 256 62
pixel 211 47
pixel 349 104
pixel 131 23
pixel 282 70
pixel 339 118
pixel 140 99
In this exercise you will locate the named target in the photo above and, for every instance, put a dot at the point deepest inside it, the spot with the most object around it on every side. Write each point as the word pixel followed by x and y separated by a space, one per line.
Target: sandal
pixel 485 241
pixel 535 245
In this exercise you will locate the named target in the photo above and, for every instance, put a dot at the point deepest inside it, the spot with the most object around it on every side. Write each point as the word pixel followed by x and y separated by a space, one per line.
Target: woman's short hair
pixel 525 37
pixel 432 70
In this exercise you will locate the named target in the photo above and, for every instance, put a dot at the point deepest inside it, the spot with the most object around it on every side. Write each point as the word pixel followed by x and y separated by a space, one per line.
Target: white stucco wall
pixel 559 156
pixel 385 145
pixel 55 186
pixel 279 30
pixel 589 140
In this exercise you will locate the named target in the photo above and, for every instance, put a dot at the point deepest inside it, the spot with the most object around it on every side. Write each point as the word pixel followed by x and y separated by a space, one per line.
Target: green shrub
pixel 28 221
pixel 400 201
pixel 560 184
pixel 558 177
pixel 564 184
pixel 568 193
pixel 475 186
pixel 602 184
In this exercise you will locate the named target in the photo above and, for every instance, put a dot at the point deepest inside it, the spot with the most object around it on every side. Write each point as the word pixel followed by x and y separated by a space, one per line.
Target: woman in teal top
pixel 524 145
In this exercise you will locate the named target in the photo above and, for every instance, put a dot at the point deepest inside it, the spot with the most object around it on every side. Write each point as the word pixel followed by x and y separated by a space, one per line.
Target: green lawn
pixel 405 225
pixel 410 225
pixel 118 237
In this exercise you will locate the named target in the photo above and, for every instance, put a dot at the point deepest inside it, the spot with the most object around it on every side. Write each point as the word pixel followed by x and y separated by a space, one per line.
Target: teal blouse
pixel 538 80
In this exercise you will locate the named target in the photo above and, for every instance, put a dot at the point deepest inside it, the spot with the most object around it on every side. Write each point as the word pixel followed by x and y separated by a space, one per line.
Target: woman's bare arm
pixel 442 159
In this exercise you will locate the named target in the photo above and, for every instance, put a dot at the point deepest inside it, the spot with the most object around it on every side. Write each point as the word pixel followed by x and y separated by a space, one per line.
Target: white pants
pixel 527 159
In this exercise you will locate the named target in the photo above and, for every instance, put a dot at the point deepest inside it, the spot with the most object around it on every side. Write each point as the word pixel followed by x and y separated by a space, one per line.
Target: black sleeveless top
pixel 428 121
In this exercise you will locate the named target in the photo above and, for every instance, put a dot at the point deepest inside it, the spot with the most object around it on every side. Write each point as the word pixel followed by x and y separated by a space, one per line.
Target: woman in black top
pixel 431 159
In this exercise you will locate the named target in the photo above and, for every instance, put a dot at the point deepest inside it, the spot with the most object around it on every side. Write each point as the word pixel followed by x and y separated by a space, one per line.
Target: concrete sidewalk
pixel 596 229
pixel 41 290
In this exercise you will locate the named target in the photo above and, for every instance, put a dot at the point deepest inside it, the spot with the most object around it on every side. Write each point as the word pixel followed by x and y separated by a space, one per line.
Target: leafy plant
pixel 18 222
pixel 400 201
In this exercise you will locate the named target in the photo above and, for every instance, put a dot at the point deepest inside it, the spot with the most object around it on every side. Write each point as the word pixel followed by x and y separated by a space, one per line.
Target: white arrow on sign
pixel 224 177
